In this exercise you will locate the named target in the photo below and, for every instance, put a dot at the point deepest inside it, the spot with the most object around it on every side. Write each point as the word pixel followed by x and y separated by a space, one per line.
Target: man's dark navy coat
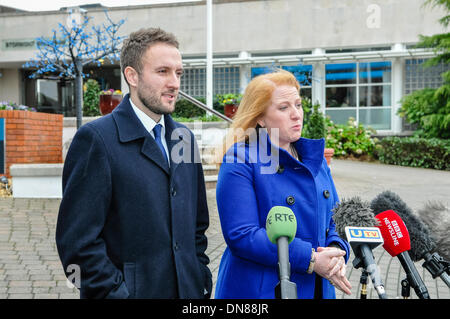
pixel 134 226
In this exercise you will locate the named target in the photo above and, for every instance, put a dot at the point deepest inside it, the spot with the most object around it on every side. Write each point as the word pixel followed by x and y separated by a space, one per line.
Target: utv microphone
pixel 397 243
pixel 423 246
pixel 355 221
pixel 281 227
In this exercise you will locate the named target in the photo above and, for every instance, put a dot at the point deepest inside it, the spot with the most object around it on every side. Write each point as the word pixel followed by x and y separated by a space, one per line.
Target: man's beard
pixel 151 101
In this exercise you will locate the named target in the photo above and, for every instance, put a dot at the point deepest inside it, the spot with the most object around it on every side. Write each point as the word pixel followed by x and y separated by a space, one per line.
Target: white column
pixel 318 85
pixel 397 93
pixel 123 84
pixel 318 81
pixel 245 72
pixel 209 55
pixel 397 87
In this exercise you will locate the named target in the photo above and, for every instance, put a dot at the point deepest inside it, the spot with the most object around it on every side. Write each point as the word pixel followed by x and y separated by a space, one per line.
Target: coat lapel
pixel 175 135
pixel 130 129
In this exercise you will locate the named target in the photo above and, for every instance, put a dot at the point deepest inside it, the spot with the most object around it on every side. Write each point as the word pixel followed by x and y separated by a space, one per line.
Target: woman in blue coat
pixel 271 165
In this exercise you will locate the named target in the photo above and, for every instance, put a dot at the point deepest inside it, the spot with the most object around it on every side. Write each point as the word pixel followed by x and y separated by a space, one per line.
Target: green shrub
pixel 91 98
pixel 228 99
pixel 204 118
pixel 350 139
pixel 415 152
pixel 314 124
pixel 430 109
pixel 186 109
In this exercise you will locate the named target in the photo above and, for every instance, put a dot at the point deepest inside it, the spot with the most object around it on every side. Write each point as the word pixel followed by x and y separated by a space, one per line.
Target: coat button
pixel 290 200
pixel 176 246
pixel 173 192
pixel 326 193
pixel 280 169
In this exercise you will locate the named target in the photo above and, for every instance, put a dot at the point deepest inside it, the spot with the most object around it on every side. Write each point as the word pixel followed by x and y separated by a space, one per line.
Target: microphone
pixel 437 217
pixel 355 221
pixel 397 243
pixel 423 245
pixel 281 227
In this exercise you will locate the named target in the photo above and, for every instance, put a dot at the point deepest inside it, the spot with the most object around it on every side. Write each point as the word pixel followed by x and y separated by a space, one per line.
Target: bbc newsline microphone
pixel 423 245
pixel 355 221
pixel 397 244
pixel 281 227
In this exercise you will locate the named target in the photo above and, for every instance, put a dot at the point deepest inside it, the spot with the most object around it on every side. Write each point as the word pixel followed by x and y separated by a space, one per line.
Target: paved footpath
pixel 30 266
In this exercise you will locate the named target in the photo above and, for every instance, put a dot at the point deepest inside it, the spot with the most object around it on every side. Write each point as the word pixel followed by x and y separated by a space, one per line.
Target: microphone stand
pixel 406 288
pixel 437 266
pixel 363 282
pixel 366 254
pixel 285 288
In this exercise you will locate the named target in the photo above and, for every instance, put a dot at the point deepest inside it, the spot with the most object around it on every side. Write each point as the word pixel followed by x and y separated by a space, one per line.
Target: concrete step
pixel 211 181
pixel 209 170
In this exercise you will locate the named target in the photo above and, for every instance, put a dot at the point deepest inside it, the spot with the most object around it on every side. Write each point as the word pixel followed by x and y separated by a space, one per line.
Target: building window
pixel 56 95
pixel 193 82
pixel 418 77
pixel 226 80
pixel 50 95
pixel 303 74
pixel 359 90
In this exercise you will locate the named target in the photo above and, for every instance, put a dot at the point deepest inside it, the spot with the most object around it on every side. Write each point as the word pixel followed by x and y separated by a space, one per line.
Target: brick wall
pixel 32 137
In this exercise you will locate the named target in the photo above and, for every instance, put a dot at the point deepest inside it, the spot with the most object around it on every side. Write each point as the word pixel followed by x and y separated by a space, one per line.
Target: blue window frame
pixel 359 90
pixel 303 73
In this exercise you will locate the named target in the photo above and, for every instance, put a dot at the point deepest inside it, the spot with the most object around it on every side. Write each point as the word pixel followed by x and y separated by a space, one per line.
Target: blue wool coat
pixel 248 187
pixel 134 226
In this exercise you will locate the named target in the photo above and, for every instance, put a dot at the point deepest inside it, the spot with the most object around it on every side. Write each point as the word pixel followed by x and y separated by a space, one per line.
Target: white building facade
pixel 355 57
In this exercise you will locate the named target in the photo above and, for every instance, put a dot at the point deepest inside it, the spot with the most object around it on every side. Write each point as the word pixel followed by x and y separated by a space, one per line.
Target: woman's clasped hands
pixel 330 264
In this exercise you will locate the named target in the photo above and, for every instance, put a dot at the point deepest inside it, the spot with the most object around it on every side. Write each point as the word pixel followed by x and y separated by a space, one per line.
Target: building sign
pixel 18 44
pixel 2 146
pixel 24 44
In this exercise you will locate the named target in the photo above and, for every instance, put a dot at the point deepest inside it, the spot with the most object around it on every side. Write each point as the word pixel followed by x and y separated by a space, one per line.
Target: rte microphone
pixel 355 221
pixel 423 245
pixel 397 243
pixel 281 227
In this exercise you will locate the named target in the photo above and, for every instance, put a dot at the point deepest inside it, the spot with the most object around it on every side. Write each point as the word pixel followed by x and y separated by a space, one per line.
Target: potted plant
pixel 91 98
pixel 11 106
pixel 230 103
pixel 109 99
pixel 315 128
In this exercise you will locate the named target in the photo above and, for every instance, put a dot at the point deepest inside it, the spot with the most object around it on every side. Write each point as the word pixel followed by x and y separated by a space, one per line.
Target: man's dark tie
pixel 157 132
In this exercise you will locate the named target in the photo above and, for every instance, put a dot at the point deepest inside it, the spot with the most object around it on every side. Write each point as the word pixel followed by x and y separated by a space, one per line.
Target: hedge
pixel 415 152
pixel 184 108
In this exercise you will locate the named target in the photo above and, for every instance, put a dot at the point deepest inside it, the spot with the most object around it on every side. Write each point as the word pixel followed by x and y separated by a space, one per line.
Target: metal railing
pixel 204 107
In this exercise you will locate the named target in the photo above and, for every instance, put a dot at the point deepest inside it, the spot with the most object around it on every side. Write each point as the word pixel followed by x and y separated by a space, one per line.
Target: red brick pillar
pixel 32 137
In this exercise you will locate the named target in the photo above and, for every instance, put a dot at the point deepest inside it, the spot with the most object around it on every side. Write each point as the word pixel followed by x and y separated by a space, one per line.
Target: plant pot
pixel 229 110
pixel 328 153
pixel 109 102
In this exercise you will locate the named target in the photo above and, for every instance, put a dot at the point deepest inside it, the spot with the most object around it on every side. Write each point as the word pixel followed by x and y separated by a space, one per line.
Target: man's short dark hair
pixel 138 42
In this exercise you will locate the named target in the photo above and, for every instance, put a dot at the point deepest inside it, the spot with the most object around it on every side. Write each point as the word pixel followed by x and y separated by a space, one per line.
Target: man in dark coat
pixel 134 214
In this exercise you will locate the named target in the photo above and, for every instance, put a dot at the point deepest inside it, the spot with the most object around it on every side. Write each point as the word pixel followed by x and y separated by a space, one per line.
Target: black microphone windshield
pixel 437 217
pixel 353 212
pixel 421 240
